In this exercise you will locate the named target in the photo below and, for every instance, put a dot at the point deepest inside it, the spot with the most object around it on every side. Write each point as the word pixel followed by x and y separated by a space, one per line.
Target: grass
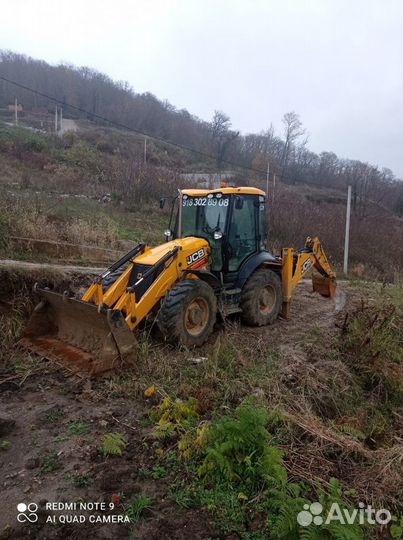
pixel 60 439
pixel 61 196
pixel 78 428
pixel 10 327
pixel 78 480
pixel 136 509
pixel 83 222
pixel 54 415
pixel 5 445
pixel 155 473
pixel 50 463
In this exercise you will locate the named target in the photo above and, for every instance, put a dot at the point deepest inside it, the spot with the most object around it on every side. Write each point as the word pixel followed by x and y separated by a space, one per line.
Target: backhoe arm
pixel 295 264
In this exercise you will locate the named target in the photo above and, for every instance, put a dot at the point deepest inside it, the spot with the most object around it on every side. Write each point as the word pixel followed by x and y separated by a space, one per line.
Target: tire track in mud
pixel 309 310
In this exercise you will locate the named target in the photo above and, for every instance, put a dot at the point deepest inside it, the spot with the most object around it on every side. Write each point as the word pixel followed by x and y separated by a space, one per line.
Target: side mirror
pixel 238 203
pixel 162 202
pixel 217 235
pixel 168 234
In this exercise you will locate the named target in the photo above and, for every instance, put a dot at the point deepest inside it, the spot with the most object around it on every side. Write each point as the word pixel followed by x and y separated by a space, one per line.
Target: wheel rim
pixel 197 316
pixel 267 300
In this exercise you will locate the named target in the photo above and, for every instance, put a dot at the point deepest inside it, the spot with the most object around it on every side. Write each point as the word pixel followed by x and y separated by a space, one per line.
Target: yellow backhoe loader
pixel 214 260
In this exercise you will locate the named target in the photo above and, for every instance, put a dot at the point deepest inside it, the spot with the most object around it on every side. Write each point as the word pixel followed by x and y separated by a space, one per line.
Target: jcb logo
pixel 194 257
pixel 307 264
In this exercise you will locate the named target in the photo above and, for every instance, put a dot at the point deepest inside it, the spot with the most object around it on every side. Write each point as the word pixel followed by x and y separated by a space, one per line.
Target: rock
pixel 32 463
pixel 198 359
pixel 7 425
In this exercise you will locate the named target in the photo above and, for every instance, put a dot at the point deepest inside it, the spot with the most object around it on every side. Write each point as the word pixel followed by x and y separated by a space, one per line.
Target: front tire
pixel 188 313
pixel 262 298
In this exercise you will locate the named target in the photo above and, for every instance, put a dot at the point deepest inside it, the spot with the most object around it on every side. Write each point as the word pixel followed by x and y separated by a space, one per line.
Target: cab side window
pixel 242 238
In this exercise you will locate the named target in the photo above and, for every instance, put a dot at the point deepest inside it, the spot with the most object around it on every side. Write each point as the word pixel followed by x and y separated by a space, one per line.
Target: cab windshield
pixel 203 216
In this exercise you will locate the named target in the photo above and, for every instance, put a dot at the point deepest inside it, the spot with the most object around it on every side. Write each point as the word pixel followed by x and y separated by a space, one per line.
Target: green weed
pixel 174 417
pixel 155 472
pixel 50 463
pixel 5 445
pixel 54 415
pixel 78 428
pixel 78 480
pixel 137 507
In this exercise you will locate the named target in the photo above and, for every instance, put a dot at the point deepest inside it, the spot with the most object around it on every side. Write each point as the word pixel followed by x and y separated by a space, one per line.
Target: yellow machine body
pixel 98 331
pixel 193 253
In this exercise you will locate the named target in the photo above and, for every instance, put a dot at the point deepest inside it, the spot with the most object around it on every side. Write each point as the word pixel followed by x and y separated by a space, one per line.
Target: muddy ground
pixel 58 418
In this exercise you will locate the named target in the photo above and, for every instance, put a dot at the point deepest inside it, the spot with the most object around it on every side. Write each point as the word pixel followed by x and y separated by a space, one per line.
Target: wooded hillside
pixel 288 152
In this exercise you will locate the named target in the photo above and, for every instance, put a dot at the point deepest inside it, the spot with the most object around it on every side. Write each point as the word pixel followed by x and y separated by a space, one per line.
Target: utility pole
pixel 56 119
pixel 16 111
pixel 267 178
pixel 274 186
pixel 145 151
pixel 61 121
pixel 347 235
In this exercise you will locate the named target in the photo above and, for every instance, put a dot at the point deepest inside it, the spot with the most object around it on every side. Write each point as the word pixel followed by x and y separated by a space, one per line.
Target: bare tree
pixel 222 135
pixel 293 130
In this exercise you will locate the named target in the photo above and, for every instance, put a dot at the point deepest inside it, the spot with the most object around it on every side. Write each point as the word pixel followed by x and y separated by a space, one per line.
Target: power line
pixel 128 128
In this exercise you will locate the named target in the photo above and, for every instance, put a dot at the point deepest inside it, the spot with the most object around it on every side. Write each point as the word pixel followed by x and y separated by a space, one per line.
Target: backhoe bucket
pixel 324 285
pixel 77 334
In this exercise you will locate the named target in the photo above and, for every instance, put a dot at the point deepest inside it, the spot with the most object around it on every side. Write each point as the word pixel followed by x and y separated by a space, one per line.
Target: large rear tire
pixel 262 298
pixel 188 313
pixel 113 276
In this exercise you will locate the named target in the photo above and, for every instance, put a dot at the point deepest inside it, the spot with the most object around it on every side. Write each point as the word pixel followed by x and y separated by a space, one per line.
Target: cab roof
pixel 224 191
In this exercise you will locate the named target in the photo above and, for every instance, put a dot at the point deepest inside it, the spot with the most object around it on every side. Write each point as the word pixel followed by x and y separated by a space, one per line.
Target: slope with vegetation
pixel 229 443
pixel 100 97
pixel 93 188
pixel 233 441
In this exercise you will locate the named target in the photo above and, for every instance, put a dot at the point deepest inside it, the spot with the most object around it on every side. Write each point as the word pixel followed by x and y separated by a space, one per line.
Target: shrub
pixel 372 343
pixel 174 417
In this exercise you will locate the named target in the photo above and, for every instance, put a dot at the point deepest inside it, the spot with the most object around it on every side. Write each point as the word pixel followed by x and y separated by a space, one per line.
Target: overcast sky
pixel 337 63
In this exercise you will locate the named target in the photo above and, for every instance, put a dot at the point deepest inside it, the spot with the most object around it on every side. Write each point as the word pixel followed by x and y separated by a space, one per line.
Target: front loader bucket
pixel 77 334
pixel 324 285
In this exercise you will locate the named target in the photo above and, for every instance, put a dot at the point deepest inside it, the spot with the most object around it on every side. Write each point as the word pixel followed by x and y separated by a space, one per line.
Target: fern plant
pixel 113 444
pixel 244 476
pixel 240 450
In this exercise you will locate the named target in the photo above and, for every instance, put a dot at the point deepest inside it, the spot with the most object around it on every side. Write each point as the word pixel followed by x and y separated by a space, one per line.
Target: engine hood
pixel 188 245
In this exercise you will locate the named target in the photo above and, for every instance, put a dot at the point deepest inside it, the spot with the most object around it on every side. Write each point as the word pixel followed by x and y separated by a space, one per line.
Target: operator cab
pixel 232 220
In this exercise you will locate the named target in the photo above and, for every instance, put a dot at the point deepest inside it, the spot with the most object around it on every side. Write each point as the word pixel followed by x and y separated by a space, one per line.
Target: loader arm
pixel 96 333
pixel 295 265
